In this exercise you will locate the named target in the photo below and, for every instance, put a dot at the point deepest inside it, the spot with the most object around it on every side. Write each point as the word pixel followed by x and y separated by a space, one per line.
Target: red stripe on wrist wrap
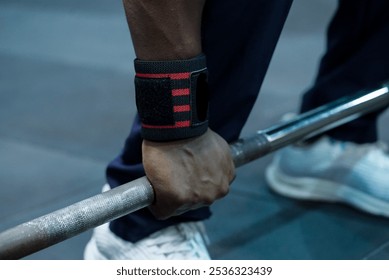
pixel 172 98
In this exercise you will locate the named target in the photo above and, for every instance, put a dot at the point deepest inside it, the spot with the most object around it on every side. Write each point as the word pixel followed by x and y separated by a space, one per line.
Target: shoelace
pixel 378 149
pixel 174 242
pixel 383 147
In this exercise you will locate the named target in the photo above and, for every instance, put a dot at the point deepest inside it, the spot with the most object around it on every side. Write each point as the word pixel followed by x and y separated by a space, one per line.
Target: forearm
pixel 165 29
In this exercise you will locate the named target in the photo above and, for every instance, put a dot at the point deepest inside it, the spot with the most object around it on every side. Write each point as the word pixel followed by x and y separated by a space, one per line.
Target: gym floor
pixel 66 106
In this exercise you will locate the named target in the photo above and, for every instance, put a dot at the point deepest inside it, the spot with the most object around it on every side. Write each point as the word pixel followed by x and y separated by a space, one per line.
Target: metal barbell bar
pixel 50 229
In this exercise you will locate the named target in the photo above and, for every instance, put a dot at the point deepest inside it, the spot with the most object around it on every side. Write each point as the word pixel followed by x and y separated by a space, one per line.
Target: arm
pixel 190 173
pixel 165 29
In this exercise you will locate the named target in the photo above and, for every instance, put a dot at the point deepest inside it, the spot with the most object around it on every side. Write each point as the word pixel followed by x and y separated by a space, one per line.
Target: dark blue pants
pixel 239 38
pixel 357 58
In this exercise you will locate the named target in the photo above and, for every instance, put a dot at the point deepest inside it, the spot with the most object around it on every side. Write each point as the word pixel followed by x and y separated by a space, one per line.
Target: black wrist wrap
pixel 172 98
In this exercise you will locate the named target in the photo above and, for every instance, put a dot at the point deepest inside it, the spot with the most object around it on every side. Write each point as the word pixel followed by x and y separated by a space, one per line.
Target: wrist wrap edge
pixel 172 98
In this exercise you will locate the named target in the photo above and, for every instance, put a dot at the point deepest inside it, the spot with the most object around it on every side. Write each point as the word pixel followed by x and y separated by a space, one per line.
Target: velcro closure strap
pixel 172 98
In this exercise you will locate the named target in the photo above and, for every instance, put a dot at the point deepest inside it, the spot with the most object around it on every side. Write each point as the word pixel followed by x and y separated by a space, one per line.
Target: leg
pixel 356 59
pixel 343 166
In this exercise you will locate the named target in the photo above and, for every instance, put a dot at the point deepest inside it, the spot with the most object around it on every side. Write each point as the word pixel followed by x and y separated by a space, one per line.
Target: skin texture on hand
pixel 187 174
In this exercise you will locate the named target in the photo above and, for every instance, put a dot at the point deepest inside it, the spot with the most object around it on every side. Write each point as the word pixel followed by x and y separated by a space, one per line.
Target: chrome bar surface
pixel 326 117
pixel 309 124
pixel 50 229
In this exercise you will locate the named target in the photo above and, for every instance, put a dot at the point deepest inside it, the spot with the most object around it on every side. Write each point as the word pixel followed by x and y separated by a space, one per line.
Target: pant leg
pixel 239 38
pixel 356 58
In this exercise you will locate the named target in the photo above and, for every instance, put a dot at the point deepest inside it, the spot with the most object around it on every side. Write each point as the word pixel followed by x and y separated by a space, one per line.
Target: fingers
pixel 188 175
pixel 170 203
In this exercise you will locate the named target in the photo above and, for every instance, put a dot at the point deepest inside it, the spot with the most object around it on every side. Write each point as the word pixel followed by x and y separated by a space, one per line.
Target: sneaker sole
pixel 308 188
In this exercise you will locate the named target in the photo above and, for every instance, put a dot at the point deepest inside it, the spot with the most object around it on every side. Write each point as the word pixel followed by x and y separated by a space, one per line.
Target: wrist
pixel 172 98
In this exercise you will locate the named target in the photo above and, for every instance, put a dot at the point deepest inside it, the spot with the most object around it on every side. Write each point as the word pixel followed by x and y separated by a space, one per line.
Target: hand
pixel 187 174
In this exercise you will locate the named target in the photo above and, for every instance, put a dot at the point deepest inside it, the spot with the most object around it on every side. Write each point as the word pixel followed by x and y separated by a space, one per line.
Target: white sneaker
pixel 334 171
pixel 180 242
